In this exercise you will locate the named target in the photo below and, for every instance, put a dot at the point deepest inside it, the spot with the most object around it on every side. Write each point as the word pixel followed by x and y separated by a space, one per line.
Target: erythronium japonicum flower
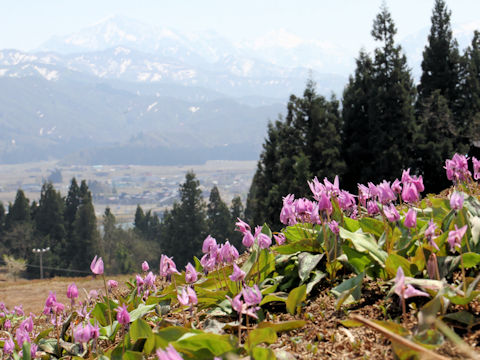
pixel 167 266
pixel 456 201
pixel 430 234
pixel 405 291
pixel 168 354
pixel 455 237
pixel 411 219
pixel 191 274
pixel 279 239
pixel 112 284
pixel 72 292
pixel 391 213
pixel 8 346
pixel 237 274
pixel 145 266
pixel 476 168
pixel 123 317
pixel 208 244
pixel 333 225
pixel 97 266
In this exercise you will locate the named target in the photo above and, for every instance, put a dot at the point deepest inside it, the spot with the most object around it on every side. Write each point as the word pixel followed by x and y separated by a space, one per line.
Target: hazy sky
pixel 27 23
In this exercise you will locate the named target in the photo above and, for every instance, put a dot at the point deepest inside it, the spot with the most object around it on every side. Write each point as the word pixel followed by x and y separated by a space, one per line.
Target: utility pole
pixel 41 251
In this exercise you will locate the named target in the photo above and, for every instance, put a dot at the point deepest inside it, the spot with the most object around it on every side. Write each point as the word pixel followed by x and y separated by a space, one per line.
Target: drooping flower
pixel 182 296
pixel 192 296
pixel 51 300
pixel 242 226
pixel 385 193
pixel 167 266
pixel 208 244
pixel 264 241
pixel 97 266
pixel 145 266
pixel 82 334
pixel 228 253
pixel 237 303
pixel 149 280
pixel 346 201
pixel 72 292
pixel 410 193
pixel 208 262
pixel 430 234
pixel 397 186
pixel 324 204
pixel 405 291
pixel 123 316
pixel 252 295
pixel 333 225
pixel 112 284
pixel 317 188
pixel 27 324
pixel 237 274
pixel 279 239
pixel 8 346
pixel 410 219
pixel 287 214
pixel 455 237
pixel 168 354
pixel 391 213
pixel 21 335
pixel 476 168
pixel 139 282
pixel 372 207
pixel 457 168
pixel 456 201
pixel 248 239
pixel 191 274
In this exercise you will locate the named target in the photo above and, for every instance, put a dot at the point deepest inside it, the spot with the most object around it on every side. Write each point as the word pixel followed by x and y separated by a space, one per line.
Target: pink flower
pixel 385 192
pixel 457 168
pixel 112 284
pixel 410 193
pixel 192 296
pixel 317 188
pixel 391 213
pixel 324 204
pixel 279 239
pixel 22 336
pixel 455 237
pixel 248 239
pixel 456 201
pixel 237 303
pixel 333 225
pixel 430 234
pixel 208 244
pixel 287 214
pixel 208 262
pixel 139 281
pixel 334 188
pixel 228 253
pixel 94 331
pixel 237 274
pixel 476 168
pixel 167 266
pixel 51 300
pixel 97 266
pixel 27 324
pixel 72 292
pixel 397 186
pixel 252 295
pixel 405 291
pixel 187 296
pixel 82 334
pixel 182 297
pixel 242 226
pixel 8 346
pixel 410 219
pixel 145 266
pixel 7 325
pixel 346 200
pixel 123 317
pixel 264 241
pixel 372 207
pixel 168 354
pixel 149 280
pixel 190 274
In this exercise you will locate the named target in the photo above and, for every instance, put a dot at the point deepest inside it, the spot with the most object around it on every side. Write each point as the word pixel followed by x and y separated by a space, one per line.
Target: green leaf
pixel 372 226
pixel 247 265
pixel 43 334
pixel 463 317
pixel 132 355
pixel 365 243
pixel 266 263
pixel 351 224
pixel 266 230
pixel 358 260
pixel 140 311
pixel 215 344
pixel 260 353
pixel 278 296
pixel 295 299
pixel 139 329
pixel 395 261
pixel 470 259
pixel 309 245
pixel 26 351
pixel 282 326
pixel 263 335
pixel 317 277
pixel 306 263
pixel 100 313
pixel 349 323
pixel 348 291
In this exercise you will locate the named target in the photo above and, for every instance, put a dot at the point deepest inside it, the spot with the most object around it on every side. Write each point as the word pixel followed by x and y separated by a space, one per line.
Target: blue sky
pixel 26 24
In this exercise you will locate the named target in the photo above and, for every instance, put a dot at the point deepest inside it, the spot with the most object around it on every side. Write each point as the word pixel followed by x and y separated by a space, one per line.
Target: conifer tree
pixel 356 99
pixel 440 65
pixel 184 227
pixel 72 202
pixel 218 217
pixel 391 114
pixel 19 211
pixel 139 221
pixel 2 218
pixel 109 230
pixel 236 212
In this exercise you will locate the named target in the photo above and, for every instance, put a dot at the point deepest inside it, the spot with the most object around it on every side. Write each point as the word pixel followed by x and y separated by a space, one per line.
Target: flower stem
pixel 108 300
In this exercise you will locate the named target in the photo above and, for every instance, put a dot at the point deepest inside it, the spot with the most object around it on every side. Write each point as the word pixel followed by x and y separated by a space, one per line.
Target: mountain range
pixel 120 91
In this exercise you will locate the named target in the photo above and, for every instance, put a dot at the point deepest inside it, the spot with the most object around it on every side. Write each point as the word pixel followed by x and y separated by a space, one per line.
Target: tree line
pixel 69 228
pixel 383 124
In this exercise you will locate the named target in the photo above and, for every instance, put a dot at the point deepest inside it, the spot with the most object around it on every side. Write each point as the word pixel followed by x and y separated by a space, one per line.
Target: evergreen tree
pixel 109 234
pixel 236 212
pixel 218 217
pixel 139 221
pixel 2 218
pixel 440 65
pixel 72 202
pixel 391 122
pixel 184 227
pixel 19 212
pixel 355 113
pixel 85 235
pixel 49 220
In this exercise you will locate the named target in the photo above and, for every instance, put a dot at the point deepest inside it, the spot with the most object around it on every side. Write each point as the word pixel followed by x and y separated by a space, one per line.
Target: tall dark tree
pixel 391 122
pixel 85 234
pixel 306 144
pixel 237 211
pixel 49 220
pixel 440 65
pixel 2 218
pixel 184 227
pixel 72 202
pixel 218 217
pixel 356 131
pixel 139 220
pixel 109 232
pixel 19 211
